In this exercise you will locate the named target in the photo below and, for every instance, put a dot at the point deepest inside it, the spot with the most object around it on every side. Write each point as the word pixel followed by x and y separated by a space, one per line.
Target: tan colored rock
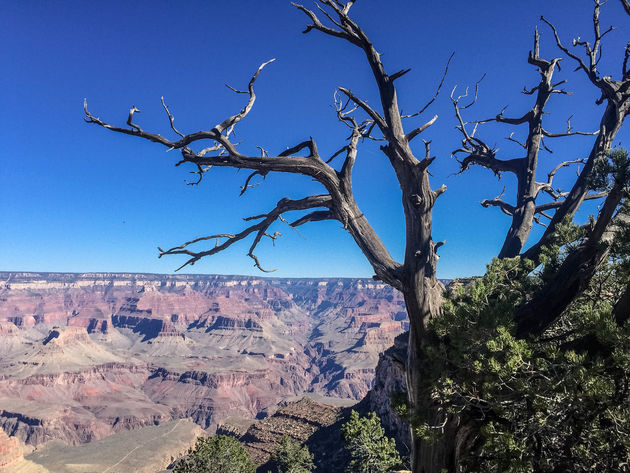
pixel 12 457
pixel 144 450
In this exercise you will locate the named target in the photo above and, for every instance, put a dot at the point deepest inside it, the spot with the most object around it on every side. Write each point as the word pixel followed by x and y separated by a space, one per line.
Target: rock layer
pixel 390 381
pixel 83 356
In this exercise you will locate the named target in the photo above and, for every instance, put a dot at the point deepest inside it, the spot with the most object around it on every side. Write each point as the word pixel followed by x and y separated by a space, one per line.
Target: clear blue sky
pixel 76 197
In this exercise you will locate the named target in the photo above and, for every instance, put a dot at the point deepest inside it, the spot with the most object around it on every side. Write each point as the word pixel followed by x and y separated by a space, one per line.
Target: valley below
pixel 87 356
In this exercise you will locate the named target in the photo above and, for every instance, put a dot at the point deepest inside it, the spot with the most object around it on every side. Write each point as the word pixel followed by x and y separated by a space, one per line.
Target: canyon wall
pixel 390 381
pixel 84 356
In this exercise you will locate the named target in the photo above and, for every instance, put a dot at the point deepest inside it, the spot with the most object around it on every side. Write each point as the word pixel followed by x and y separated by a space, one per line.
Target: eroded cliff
pixel 84 356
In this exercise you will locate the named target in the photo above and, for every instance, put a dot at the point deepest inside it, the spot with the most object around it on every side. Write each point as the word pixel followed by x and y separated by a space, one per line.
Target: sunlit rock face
pixel 390 381
pixel 83 356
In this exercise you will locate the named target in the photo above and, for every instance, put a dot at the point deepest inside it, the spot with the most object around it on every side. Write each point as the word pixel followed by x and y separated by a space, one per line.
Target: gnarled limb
pixel 616 94
pixel 259 230
pixel 547 187
pixel 216 133
pixel 523 212
pixel 497 202
pixel 477 151
pixel 437 92
pixel 573 275
pixel 558 203
pixel 224 153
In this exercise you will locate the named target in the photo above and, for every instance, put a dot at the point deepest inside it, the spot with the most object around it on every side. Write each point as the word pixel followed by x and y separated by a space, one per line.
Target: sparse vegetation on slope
pixel 371 451
pixel 218 454
pixel 292 457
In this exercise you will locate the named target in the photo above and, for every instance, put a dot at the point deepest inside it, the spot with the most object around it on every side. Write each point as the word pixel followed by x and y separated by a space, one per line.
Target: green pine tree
pixel 555 402
pixel 218 454
pixel 291 457
pixel 370 450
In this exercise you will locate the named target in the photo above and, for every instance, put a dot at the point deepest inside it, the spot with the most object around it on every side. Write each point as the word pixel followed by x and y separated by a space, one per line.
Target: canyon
pixel 87 356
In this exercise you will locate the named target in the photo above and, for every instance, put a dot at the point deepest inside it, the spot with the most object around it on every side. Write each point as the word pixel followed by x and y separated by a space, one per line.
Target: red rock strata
pixel 85 355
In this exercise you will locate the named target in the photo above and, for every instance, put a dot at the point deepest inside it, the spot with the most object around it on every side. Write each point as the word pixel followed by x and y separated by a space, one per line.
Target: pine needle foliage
pixel 291 457
pixel 558 402
pixel 217 454
pixel 371 451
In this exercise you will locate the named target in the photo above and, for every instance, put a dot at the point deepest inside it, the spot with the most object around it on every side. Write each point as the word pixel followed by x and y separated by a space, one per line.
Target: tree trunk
pixel 427 457
pixel 611 122
pixel 423 295
pixel 573 275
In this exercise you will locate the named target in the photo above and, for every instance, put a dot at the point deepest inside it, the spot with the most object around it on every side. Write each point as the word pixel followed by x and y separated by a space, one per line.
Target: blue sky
pixel 76 197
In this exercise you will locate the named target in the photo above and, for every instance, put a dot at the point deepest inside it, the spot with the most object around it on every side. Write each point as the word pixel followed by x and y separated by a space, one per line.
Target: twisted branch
pixel 259 229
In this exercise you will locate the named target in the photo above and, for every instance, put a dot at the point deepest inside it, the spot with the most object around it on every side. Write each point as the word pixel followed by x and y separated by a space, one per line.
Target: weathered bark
pixel 524 211
pixel 423 297
pixel 573 275
pixel 611 122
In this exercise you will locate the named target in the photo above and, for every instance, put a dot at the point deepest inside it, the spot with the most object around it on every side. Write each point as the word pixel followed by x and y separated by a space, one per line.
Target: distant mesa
pixel 62 336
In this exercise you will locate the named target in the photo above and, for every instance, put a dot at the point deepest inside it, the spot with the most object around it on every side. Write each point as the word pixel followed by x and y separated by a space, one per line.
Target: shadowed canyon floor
pixel 84 356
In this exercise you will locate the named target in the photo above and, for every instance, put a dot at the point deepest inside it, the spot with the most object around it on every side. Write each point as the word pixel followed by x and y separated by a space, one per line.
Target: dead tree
pixel 476 151
pixel 575 273
pixel 615 94
pixel 415 276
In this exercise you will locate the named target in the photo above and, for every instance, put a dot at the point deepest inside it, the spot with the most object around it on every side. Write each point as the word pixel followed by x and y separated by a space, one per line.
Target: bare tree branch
pixel 316 216
pixel 318 25
pixel 413 133
pixel 569 132
pixel 171 119
pixel 437 92
pixel 581 64
pixel 514 140
pixel 547 186
pixel 259 230
pixel 616 94
pixel 247 184
pixel 497 202
pixel 234 119
pixel 541 208
pixel 390 122
pixel 510 121
pixel 214 134
pixel 378 119
pixel 476 150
